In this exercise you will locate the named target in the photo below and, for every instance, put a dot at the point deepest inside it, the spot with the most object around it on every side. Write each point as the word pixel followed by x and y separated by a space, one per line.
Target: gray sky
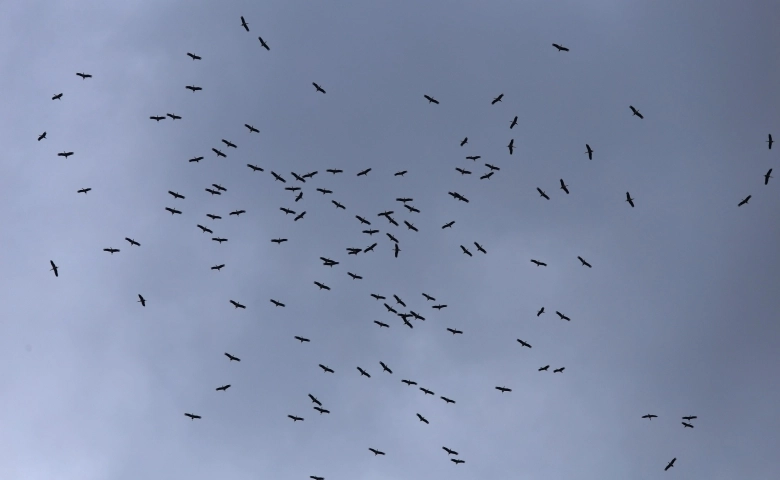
pixel 678 315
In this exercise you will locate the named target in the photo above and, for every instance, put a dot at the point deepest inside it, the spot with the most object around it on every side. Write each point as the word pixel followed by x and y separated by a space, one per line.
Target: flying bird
pixel 218 267
pixel 325 368
pixel 363 172
pixel 192 416
pixel 111 250
pixel 541 192
pixel 385 368
pixel 770 141
pixel 263 44
pixel 464 141
pixel 589 152
pixel 277 303
pixel 689 418
pixel 232 358
pixel 449 451
pixel 447 400
pixel 560 47
pixel 223 388
pixel 650 416
pixel 559 370
pixel 400 174
pixel 744 201
pixel 457 461
pixel 229 144
pixel 363 372
pixel 466 251
pixel 321 410
pixel 59 96
pixel 767 177
pixel 636 112
pixel 218 152
pixel 409 382
pixel 213 192
pixel 497 99
pixel 278 177
pixel 564 187
pixel 314 399
pixel 219 240
pixel 544 368
pixel 687 425
pixel 54 268
pixel 381 324
pixel 173 116
pixel 454 331
pixel 175 194
pixel 431 99
pixel 671 464
pixel 422 419
pixel 204 229
pixel 157 117
pixel 322 286
pixel 237 305
pixel 294 418
pixel 196 159
pixel 376 452
pixel 538 263
pixel 513 123
pixel 629 199
pixel 141 300
pixel 84 190
pixel 251 128
pixel 193 56
pixel 41 136
pixel 525 344
pixel 302 339
pixel 448 225
pixel 428 297
pixel 541 311
pixel 511 146
pixel 238 212
pixel 563 317
pixel 486 176
pixel 334 170
pixel 84 75
pixel 480 248
pixel 439 307
pixel 193 88
pixel 319 89
pixel 584 263
pixel 503 389
pixel 65 154
pixel 173 210
pixel 244 24
pixel 355 276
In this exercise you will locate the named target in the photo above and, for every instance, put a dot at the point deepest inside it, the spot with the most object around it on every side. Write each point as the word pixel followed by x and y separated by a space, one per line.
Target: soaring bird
pixel 767 177
pixel 400 173
pixel 229 143
pixel 141 300
pixel 84 190
pixel 65 154
pixel 687 425
pixel 525 344
pixel 192 416
pixel 744 201
pixel 175 194
pixel 319 89
pixel 422 419
pixel 465 250
pixel 218 267
pixel 559 370
pixel 497 99
pixel 431 99
pixel 41 136
pixel 204 229
pixel 232 358
pixel 770 141
pixel 541 311
pixel 157 118
pixel 564 187
pixel 196 159
pixel 314 399
pixel 111 250
pixel 251 128
pixel 302 339
pixel 193 56
pixel 541 193
pixel 671 464
pixel 277 303
pixel 376 452
pixel 363 372
pixel 59 97
pixel 480 247
pixel 173 116
pixel 513 123
pixel 193 88
pixel 454 331
pixel 689 418
pixel 223 388
pixel 538 263
pixel 409 382
pixel 322 286
pixel 629 199
pixel 326 369
pixel 363 172
pixel 84 75
pixel 449 451
pixel 54 268
pixel 636 112
pixel 457 460
pixel 503 389
pixel 650 416
pixel 447 400
pixel 263 44
pixel 464 141
pixel 584 263
pixel 237 305
pixel 511 146
pixel 294 418
pixel 448 225
pixel 244 24
pixel 563 317
pixel 589 152
pixel 218 152
pixel 560 48
pixel 321 410
pixel 173 210
pixel 544 368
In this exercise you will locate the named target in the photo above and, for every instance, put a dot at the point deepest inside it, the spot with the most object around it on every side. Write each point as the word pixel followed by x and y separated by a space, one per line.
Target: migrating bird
pixel 173 210
pixel 650 416
pixel 236 304
pixel 454 331
pixel 196 159
pixel 192 416
pixel 503 389
pixel 354 276
pixel 457 461
pixel 277 303
pixel 278 177
pixel 141 300
pixel 322 286
pixel 486 176
pixel 314 399
pixel 54 268
pixel 232 358
pixel 251 128
pixel 422 419
pixel 584 263
pixel 629 199
pixel 439 307
pixel 229 144
pixel 223 388
pixel 381 324
pixel 338 205
pixel 770 141
pixel 511 146
pixel 671 464
pixel 59 96
pixel 219 240
pixel 378 297
pixel 560 47
pixel 321 410
pixel 559 370
pixel 480 248
pixel 219 187
pixel 158 118
pixel 497 99
pixel 474 158
pixel 302 339
pixel 636 112
pixel 363 372
pixel 173 116
pixel 449 451
pixel 244 24
pixel 237 212
pixel 133 242
pixel 525 344
pixel 326 369
pixel 589 152
pixel 376 452
pixel 687 425
pixel 84 75
pixel 193 88
pixel 319 89
pixel 364 172
pixel 448 225
pixel 213 192
pixel 767 177
pixel 84 190
pixel 41 136
pixel 175 194
pixel 65 154
pixel 218 152
pixel 447 400
pixel 294 418
pixel 463 171
pixel 400 174
pixel 563 317
pixel 538 263
pixel 541 192
pixel 263 44
pixel 464 141
pixel 218 267
pixel 111 250
pixel 254 168
pixel 692 417
pixel 334 170
pixel 300 215
pixel 204 229
pixel 564 187
pixel 744 201
pixel 465 250
pixel 193 56
pixel 431 99
pixel 409 382
pixel 513 123
pixel 544 368
pixel 428 297
pixel 541 311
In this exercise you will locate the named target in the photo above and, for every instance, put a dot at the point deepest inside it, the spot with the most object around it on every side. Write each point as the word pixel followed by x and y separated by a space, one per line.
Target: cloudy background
pixel 678 315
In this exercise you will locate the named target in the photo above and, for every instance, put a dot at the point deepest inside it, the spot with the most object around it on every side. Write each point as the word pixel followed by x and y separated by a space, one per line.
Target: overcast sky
pixel 678 315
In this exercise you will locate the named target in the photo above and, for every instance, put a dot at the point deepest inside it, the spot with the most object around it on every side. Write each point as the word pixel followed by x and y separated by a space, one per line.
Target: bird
pixel 302 339
pixel 219 187
pixel 84 190
pixel 650 416
pixel 193 56
pixel 744 201
pixel 439 307
pixel 322 286
pixel 192 416
pixel 454 331
pixel 325 368
pixel 466 251
pixel 480 248
pixel 141 300
pixel 563 317
pixel 300 215
pixel 559 370
pixel 173 116
pixel 218 152
pixel 525 344
pixel 544 368
pixel 196 159
pixel 770 141
pixel 636 112
pixel 541 311
pixel 426 391
pixel 689 418
pixel 237 305
pixel 422 419
pixel 59 97
pixel 204 229
pixel 457 461
pixel 464 141
pixel 629 199
pixel 314 477
pixel 541 192
pixel 671 464
pixel 584 263
pixel 409 382
pixel 173 210
pixel 363 172
pixel 263 44
pixel 449 451
pixel 503 389
pixel 447 400
pixel 497 99
pixel 232 358
pixel 223 388
pixel 54 268
pixel 396 250
pixel 564 187
pixel 157 117
pixel 41 136
pixel 277 303
pixel 213 192
pixel 219 240
pixel 428 297
pixel 251 128
pixel 511 146
pixel 334 170
pixel 431 99
pixel 111 250
pixel 84 75
pixel 486 176
pixel 319 89
pixel 381 324
pixel 244 24
pixel 321 410
pixel 463 171
pixel 687 425
pixel 237 212
pixel 560 48
pixel 448 225
pixel 218 267
pixel 474 158
pixel 278 177
pixel 229 144
pixel 355 276
pixel 767 177
pixel 175 194
pixel 589 152
pixel 314 399
pixel 193 88
pixel 400 173
pixel 513 123
pixel 294 418
pixel 363 372
pixel 376 452
pixel 65 154
pixel 538 263
pixel 378 297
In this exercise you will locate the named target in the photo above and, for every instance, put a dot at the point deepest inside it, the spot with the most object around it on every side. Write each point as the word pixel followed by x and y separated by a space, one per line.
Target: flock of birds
pixel 405 316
